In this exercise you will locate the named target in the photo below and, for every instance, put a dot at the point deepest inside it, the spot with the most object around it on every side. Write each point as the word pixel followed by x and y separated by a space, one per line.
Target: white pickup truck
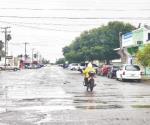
pixel 9 67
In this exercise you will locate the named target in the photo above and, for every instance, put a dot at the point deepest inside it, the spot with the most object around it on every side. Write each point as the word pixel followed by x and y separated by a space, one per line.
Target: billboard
pixel 127 39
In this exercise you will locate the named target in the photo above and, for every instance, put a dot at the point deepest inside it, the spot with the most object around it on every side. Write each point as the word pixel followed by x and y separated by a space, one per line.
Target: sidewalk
pixel 146 78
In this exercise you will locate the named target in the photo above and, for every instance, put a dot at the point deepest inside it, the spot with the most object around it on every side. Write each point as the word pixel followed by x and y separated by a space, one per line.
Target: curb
pixel 146 80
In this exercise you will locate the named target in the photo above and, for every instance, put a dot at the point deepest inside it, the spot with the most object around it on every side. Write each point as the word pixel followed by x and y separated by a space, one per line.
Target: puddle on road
pixel 44 108
pixel 108 84
pixel 140 106
pixel 66 82
pixel 88 101
pixel 100 107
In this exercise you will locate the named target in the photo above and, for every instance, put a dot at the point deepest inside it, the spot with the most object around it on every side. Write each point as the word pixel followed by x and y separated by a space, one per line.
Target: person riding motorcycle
pixel 86 72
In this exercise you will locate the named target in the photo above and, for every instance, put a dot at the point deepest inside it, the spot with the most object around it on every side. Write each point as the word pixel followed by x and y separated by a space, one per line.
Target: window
pixel 116 67
pixel 75 64
pixel 148 36
pixel 94 65
pixel 132 68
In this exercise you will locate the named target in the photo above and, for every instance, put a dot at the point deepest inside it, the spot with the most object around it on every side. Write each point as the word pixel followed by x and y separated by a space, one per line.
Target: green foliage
pixel 44 61
pixel 143 56
pixel 2 53
pixel 96 44
pixel 20 56
pixel 1 45
pixel 132 50
pixel 60 61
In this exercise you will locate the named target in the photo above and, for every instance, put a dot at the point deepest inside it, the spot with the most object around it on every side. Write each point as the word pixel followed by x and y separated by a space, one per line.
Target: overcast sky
pixel 49 25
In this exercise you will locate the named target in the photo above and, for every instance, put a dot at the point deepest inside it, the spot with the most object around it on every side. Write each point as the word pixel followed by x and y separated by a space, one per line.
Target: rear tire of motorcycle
pixel 91 84
pixel 87 88
pixel 91 88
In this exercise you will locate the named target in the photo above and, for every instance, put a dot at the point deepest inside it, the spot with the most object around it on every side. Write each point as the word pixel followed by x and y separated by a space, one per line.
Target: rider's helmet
pixel 89 65
pixel 91 72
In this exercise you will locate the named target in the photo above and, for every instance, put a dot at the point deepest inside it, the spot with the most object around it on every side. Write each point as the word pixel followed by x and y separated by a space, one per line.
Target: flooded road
pixel 56 96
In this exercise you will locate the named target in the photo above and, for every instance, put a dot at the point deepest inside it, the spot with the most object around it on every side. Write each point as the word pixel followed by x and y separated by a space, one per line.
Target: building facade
pixel 133 41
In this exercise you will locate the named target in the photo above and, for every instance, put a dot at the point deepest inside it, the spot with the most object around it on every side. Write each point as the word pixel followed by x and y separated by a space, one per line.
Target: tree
pixel 143 56
pixel 60 61
pixel 44 61
pixel 97 44
pixel 8 37
pixel 20 56
pixel 2 53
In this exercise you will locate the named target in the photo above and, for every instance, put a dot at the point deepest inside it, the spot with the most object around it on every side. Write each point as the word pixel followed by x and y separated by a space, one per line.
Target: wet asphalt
pixel 56 96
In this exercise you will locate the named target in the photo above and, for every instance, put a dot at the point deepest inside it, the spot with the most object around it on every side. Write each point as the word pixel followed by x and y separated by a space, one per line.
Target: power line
pixel 53 24
pixel 39 28
pixel 77 18
pixel 31 44
pixel 63 9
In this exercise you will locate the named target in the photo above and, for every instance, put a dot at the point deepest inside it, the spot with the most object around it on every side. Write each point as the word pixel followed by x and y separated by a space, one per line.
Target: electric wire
pixel 77 18
pixel 80 9
pixel 39 28
pixel 53 24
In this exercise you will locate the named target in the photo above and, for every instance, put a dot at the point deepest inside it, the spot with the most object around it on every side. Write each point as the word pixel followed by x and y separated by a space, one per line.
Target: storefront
pixel 133 41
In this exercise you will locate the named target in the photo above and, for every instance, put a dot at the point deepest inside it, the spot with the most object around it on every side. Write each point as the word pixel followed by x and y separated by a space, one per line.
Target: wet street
pixel 56 96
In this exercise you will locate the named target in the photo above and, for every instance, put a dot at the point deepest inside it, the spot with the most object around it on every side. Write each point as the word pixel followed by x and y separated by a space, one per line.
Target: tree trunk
pixel 107 62
pixel 144 70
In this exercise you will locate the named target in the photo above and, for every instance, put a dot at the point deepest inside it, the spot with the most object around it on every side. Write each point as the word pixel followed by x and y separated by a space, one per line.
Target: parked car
pixel 65 65
pixel 82 66
pixel 103 70
pixel 9 67
pixel 73 66
pixel 112 71
pixel 28 66
pixel 129 72
pixel 95 67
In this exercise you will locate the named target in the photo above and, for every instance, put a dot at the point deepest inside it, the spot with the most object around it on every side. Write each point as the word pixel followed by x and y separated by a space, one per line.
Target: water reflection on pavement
pixel 54 96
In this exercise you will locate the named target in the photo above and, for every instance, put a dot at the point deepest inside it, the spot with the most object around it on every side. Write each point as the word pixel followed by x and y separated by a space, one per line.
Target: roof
pixel 147 27
pixel 117 49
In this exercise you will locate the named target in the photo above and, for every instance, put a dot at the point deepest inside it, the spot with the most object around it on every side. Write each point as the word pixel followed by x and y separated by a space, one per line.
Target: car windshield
pixel 132 68
pixel 83 64
pixel 116 67
pixel 94 65
pixel 74 64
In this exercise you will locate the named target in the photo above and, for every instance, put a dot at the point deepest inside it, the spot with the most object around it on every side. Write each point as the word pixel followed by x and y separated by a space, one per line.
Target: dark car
pixel 112 71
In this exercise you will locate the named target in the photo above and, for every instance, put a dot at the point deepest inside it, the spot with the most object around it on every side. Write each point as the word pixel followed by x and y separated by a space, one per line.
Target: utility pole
pixel 37 56
pixel 6 46
pixel 32 54
pixel 25 56
pixel 123 56
pixel 120 39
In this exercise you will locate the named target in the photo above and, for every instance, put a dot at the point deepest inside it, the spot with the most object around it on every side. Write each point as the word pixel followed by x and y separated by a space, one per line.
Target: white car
pixel 129 72
pixel 73 66
pixel 82 66
pixel 9 67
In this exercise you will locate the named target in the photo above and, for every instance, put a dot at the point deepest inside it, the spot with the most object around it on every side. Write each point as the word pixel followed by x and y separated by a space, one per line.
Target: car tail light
pixel 123 73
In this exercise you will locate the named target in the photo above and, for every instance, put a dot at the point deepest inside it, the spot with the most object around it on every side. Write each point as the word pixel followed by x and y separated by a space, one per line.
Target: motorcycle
pixel 90 83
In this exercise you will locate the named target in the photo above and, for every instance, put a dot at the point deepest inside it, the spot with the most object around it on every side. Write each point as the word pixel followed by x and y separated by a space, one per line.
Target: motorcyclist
pixel 86 72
